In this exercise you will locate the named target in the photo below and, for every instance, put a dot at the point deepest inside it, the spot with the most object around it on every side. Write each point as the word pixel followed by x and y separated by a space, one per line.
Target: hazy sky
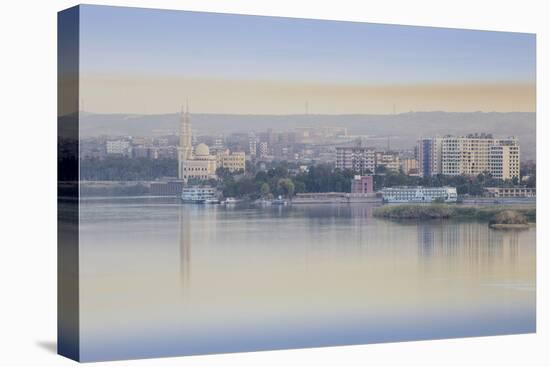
pixel 150 61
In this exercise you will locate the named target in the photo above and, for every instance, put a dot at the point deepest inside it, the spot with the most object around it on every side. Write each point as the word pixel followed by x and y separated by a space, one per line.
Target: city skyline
pixel 237 183
pixel 148 61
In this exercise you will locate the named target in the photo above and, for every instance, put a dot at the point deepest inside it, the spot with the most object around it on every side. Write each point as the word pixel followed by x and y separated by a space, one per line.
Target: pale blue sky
pixel 146 41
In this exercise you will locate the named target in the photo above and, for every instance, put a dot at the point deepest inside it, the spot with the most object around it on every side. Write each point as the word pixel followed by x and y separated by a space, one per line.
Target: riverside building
pixel 512 192
pixel 193 163
pixel 362 185
pixel 469 155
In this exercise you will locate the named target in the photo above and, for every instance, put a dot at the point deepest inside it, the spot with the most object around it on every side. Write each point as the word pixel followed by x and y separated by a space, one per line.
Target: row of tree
pixel 127 169
pixel 279 180
pixel 282 178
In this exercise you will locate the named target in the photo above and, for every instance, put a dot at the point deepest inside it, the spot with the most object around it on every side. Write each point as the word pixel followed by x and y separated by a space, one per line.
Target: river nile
pixel 160 278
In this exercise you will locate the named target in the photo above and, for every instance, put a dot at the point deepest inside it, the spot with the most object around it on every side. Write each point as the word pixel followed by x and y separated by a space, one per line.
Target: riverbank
pixel 494 214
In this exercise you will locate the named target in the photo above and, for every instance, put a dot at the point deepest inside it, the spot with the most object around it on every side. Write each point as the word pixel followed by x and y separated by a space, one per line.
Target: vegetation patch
pixel 410 211
pixel 496 215
pixel 509 219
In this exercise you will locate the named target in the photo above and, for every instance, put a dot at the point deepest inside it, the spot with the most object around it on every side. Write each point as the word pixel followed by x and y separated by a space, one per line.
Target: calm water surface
pixel 160 278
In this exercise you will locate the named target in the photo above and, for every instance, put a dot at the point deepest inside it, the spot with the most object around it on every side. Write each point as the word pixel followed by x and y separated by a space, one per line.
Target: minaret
pixel 185 149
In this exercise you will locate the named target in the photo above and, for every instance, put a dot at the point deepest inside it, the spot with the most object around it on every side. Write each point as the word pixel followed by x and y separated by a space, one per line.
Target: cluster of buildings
pixel 303 144
pixel 366 160
pixel 130 147
pixel 197 162
pixel 469 155
pixel 449 155
pixel 199 157
pixel 270 145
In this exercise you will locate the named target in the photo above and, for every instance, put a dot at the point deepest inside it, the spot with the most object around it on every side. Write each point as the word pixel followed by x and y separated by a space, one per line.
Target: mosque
pixel 195 163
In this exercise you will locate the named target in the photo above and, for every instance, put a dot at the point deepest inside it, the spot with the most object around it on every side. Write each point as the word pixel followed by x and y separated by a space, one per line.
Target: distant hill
pixel 402 129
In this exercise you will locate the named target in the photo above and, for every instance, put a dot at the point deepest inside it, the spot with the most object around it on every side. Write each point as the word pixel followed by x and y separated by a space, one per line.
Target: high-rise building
pixel 118 147
pixel 361 160
pixel 263 149
pixel 469 155
pixel 428 155
pixel 252 144
pixel 504 160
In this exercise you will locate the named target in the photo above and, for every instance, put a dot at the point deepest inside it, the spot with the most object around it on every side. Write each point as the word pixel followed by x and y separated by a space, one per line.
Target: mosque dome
pixel 202 150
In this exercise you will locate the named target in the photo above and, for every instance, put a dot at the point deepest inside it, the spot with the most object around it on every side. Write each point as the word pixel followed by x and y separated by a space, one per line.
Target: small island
pixel 498 217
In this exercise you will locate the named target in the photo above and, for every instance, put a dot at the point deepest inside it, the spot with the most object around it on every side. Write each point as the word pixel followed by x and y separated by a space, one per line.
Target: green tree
pixel 127 169
pixel 299 186
pixel 286 187
pixel 265 189
pixel 223 173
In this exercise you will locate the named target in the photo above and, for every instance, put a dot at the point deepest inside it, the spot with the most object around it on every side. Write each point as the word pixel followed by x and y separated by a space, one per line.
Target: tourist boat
pixel 419 194
pixel 199 195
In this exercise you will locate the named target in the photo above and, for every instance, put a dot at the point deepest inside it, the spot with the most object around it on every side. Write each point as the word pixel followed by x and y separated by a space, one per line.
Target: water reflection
pixel 184 247
pixel 469 243
pixel 205 279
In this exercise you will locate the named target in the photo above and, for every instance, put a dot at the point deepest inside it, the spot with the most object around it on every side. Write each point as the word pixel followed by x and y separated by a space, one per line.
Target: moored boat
pixel 199 195
pixel 230 201
pixel 279 201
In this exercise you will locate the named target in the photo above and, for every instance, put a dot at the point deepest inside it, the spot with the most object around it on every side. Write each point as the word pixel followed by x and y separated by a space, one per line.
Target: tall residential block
pixel 357 159
pixel 469 155
pixel 504 159
pixel 429 156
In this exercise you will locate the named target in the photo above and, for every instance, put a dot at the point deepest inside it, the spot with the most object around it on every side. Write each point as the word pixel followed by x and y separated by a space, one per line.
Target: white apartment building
pixel 361 160
pixel 504 160
pixel 469 155
pixel 118 147
pixel 263 149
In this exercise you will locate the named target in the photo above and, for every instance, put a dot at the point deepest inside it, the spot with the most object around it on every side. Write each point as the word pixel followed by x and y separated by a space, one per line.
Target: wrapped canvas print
pixel 233 183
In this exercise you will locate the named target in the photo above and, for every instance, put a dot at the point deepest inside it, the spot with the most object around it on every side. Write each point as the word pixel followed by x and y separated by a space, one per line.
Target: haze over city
pixel 132 62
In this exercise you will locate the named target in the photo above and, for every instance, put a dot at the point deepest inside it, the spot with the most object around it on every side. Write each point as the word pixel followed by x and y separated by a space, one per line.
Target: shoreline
pixel 497 216
pixel 512 226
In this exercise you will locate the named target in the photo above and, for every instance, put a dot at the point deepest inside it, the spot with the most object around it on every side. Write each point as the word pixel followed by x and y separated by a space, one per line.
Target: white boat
pixel 262 202
pixel 230 201
pixel 279 201
pixel 199 195
pixel 419 194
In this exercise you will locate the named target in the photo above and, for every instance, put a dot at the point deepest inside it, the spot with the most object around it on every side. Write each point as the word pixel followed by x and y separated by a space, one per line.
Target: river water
pixel 160 278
